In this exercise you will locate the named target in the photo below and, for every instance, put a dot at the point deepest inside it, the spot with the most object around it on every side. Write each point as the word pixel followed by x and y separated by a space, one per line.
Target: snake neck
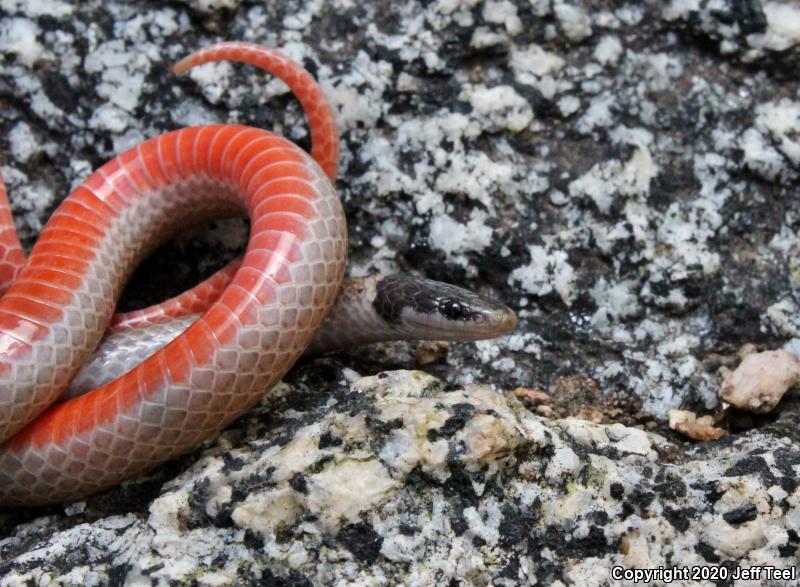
pixel 353 320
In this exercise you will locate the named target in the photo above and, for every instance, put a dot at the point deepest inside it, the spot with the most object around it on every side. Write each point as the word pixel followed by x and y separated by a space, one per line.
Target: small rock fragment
pixel 532 395
pixel 688 424
pixel 759 382
pixel 428 352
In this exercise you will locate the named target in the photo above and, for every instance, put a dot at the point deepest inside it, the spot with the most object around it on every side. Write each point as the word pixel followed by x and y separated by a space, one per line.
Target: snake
pixel 90 398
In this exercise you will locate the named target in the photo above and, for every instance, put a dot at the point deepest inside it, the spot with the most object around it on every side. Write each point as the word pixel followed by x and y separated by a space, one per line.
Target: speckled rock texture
pixel 623 173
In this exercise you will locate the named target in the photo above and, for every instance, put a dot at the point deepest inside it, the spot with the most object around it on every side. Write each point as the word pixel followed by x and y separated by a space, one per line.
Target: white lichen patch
pixel 455 238
pixel 783 29
pixel 23 142
pixel 574 20
pixel 53 8
pixel 212 6
pixel 658 71
pixel 614 302
pixel 19 36
pixel 479 178
pixel 214 79
pixel 548 271
pixel 503 12
pixel 608 50
pixel 499 107
pixel 536 67
pixel 612 180
pixel 675 9
pixel 122 71
pixel 598 115
pixel 772 147
pixel 532 62
pixel 568 105
pixel 358 99
pixel 34 197
pixel 785 317
pixel 760 156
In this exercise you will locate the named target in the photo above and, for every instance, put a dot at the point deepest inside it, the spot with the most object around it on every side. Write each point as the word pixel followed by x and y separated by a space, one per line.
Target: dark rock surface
pixel 626 173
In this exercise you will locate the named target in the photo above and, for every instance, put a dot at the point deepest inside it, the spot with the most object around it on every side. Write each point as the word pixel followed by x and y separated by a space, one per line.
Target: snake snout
pixel 423 309
pixel 495 319
pixel 506 321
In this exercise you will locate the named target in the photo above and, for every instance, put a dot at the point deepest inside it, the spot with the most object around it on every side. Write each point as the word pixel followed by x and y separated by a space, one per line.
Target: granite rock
pixel 396 479
pixel 622 173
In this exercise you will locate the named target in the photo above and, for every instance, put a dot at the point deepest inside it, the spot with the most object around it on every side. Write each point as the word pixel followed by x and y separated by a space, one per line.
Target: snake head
pixel 424 309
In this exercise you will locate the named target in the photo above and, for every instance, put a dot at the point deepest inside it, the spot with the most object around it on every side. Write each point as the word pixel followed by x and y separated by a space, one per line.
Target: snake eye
pixel 452 309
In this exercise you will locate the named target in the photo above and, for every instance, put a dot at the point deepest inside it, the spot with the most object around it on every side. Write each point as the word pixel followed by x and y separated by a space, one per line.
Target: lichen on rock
pixel 622 174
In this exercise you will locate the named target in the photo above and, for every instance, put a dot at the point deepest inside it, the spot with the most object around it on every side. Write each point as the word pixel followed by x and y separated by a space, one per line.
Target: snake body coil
pixel 257 317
